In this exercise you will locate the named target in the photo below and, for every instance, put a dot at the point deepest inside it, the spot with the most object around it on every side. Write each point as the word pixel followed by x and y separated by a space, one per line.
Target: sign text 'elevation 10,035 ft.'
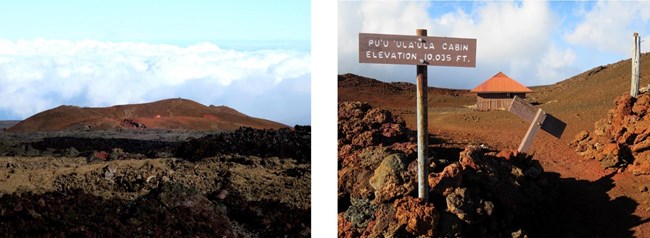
pixel 417 50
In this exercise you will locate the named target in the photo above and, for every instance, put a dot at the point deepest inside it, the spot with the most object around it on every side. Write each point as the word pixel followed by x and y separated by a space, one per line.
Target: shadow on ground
pixel 584 209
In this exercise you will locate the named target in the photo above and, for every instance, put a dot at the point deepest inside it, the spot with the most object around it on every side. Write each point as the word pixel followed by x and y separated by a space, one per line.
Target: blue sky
pixel 253 56
pixel 176 22
pixel 535 42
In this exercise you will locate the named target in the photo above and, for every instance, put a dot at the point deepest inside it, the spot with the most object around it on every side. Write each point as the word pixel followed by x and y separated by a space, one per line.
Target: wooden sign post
pixel 538 120
pixel 636 71
pixel 422 125
pixel 418 50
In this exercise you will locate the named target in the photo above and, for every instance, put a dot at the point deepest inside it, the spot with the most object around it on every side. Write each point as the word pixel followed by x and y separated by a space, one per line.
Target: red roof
pixel 501 83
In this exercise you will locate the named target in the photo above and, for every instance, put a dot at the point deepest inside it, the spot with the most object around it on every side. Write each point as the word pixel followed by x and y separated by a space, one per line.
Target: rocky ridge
pixel 284 142
pixel 622 139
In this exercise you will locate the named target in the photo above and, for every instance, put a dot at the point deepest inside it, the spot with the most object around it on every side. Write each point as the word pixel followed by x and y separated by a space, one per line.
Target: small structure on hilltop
pixel 497 92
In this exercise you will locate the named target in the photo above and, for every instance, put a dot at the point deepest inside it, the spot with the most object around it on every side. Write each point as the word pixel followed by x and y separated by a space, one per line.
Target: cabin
pixel 497 92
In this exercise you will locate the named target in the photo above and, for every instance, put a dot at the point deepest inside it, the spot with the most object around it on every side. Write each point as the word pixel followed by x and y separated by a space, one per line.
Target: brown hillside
pixel 589 95
pixel 164 114
pixel 395 95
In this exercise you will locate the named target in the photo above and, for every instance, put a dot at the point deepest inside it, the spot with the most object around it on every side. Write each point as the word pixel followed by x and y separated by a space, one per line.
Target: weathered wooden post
pixel 636 71
pixel 420 50
pixel 422 124
pixel 525 144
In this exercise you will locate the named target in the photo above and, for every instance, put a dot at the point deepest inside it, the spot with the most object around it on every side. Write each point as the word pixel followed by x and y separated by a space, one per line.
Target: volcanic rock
pixel 583 135
pixel 480 193
pixel 99 155
pixel 389 179
pixel 368 136
pixel 621 139
pixel 345 227
pixel 360 213
pixel 419 218
pixel 450 177
pixel 610 156
pixel 71 152
pixel 285 142
pixel 68 214
pixel 361 125
pixel 355 175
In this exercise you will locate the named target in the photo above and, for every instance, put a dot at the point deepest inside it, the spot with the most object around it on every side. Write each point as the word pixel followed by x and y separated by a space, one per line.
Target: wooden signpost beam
pixel 422 127
pixel 636 71
pixel 525 144
pixel 420 50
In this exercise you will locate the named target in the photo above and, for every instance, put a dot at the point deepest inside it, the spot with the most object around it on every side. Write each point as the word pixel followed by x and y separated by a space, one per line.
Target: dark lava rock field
pixel 153 183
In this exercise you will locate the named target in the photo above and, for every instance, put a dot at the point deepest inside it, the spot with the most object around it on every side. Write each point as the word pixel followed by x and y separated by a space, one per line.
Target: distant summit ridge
pixel 173 114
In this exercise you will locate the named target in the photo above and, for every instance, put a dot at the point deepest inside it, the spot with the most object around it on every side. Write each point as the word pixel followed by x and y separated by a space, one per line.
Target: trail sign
pixel 538 119
pixel 416 50
pixel 422 51
pixel 522 109
pixel 553 126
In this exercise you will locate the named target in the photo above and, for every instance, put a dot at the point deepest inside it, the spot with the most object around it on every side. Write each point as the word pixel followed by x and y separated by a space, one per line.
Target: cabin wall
pixel 495 101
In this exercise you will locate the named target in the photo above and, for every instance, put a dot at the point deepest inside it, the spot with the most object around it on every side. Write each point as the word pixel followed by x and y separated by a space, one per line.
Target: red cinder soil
pixel 592 201
pixel 164 114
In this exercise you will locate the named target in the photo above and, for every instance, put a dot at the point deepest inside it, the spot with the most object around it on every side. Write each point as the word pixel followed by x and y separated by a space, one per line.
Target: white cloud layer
pixel 527 39
pixel 36 75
